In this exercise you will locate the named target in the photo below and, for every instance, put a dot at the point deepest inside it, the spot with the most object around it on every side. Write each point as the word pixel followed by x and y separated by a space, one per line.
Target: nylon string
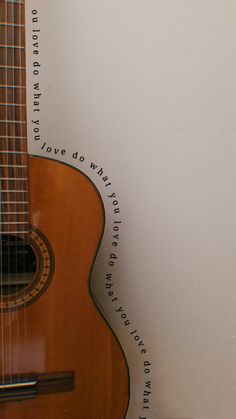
pixel 16 353
pixel 2 316
pixel 25 207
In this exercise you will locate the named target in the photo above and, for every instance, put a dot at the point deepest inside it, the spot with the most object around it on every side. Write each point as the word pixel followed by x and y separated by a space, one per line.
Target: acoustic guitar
pixel 58 357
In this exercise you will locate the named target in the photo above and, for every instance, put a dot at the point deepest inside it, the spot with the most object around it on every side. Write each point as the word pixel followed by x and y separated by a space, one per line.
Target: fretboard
pixel 13 126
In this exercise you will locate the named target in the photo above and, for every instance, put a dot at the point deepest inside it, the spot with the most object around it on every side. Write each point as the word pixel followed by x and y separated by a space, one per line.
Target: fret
pixel 15 218
pixel 13 178
pixel 16 232
pixel 15 25
pixel 11 121
pixel 5 86
pixel 13 222
pixel 12 152
pixel 7 46
pixel 20 203
pixel 14 213
pixel 11 216
pixel 13 104
pixel 13 191
pixel 8 183
pixel 13 136
pixel 12 67
pixel 13 183
pixel 14 1
pixel 12 161
pixel 15 202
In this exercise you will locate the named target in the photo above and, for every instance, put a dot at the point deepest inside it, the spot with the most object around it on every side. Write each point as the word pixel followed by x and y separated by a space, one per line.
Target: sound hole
pixel 19 264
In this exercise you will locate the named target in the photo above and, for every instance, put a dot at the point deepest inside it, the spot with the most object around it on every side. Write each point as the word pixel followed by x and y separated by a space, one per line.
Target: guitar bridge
pixel 22 387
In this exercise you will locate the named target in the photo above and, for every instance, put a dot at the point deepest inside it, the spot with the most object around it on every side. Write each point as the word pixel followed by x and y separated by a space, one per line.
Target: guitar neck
pixel 13 123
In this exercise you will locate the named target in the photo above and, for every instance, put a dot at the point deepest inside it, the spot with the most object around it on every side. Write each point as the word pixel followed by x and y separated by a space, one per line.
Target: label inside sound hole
pixel 26 269
pixel 19 265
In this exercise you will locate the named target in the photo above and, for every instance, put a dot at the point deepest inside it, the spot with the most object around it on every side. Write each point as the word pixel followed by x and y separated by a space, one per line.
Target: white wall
pixel 146 90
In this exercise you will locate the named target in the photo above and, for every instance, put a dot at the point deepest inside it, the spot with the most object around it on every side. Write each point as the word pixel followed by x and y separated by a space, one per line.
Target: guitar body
pixel 60 329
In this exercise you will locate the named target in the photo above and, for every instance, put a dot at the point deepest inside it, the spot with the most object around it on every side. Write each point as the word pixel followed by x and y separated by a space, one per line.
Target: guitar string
pixel 25 207
pixel 14 77
pixel 2 299
pixel 9 347
pixel 16 40
pixel 8 315
pixel 16 355
pixel 8 194
pixel 14 274
pixel 8 344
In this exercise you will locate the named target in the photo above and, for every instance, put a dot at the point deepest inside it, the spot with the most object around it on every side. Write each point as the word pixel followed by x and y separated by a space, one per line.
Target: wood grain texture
pixel 64 330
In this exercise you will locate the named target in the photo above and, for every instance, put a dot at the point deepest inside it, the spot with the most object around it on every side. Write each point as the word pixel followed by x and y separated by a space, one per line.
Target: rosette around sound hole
pixel 26 269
